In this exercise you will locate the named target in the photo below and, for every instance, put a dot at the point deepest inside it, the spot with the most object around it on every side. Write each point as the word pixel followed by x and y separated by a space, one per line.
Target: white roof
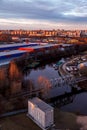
pixel 16 45
pixel 42 46
pixel 11 52
pixel 40 104
pixel 39 46
pixel 65 45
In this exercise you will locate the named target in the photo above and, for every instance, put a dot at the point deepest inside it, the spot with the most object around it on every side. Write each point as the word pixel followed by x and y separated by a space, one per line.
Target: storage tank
pixel 83 68
pixel 40 112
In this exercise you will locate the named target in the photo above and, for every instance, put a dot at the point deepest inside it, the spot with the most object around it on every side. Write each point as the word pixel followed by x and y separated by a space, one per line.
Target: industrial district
pixel 43 75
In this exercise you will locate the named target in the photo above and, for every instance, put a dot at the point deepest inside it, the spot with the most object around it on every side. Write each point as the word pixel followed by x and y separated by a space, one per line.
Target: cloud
pixel 53 11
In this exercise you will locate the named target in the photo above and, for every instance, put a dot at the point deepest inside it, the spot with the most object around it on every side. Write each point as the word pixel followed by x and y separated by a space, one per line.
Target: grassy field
pixel 18 122
pixel 66 120
pixel 62 120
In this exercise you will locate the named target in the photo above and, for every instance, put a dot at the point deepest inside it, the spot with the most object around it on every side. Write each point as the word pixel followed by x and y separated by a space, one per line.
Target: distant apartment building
pixel 83 33
pixel 30 32
pixel 69 33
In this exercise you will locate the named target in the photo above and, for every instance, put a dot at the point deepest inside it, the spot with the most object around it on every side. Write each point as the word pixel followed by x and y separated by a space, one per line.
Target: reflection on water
pixel 16 87
pixel 14 73
pixel 12 87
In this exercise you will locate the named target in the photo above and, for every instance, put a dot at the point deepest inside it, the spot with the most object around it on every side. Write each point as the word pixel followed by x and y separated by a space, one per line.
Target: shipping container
pixel 40 112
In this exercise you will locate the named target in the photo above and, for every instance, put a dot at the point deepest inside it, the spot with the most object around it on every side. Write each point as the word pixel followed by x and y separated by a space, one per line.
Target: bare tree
pixel 44 83
pixel 14 73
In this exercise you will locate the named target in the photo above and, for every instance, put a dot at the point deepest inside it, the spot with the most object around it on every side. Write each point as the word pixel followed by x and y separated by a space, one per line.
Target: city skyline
pixel 43 14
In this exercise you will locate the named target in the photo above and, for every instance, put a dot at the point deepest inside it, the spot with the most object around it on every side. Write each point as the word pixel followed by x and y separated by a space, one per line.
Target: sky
pixel 43 14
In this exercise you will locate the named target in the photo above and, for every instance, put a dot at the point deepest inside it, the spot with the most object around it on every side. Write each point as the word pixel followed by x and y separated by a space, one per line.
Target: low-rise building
pixel 40 112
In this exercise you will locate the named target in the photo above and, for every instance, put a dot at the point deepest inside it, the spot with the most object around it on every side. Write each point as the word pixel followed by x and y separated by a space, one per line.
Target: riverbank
pixel 62 120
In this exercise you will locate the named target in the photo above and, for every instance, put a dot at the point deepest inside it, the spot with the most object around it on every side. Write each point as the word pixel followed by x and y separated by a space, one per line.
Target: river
pixel 14 86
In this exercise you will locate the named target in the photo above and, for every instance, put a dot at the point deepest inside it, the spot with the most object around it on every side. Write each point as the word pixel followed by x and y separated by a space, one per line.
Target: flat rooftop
pixel 11 52
pixel 40 104
pixel 17 45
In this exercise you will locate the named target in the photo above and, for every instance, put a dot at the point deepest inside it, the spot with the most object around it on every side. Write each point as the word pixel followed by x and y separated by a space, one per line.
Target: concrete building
pixel 41 113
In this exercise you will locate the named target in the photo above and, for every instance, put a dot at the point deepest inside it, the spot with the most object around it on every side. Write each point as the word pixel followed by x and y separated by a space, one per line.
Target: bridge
pixel 65 98
pixel 29 94
pixel 66 80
